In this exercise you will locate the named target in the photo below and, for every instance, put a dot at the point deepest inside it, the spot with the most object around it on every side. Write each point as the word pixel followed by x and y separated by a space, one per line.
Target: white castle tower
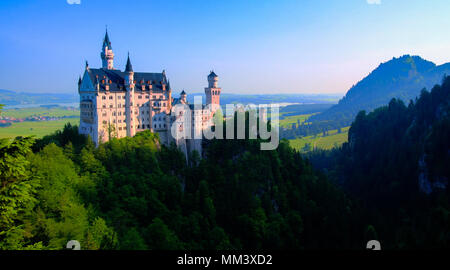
pixel 129 86
pixel 212 92
pixel 107 54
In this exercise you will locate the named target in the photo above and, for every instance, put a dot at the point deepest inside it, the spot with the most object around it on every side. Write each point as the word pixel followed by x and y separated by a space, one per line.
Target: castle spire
pixel 129 67
pixel 106 41
pixel 107 54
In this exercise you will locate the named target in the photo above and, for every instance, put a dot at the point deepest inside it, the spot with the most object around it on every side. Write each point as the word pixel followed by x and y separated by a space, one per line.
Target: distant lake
pixel 21 106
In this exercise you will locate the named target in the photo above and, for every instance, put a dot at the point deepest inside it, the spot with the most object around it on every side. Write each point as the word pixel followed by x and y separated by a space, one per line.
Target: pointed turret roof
pixel 129 67
pixel 212 74
pixel 182 93
pixel 106 41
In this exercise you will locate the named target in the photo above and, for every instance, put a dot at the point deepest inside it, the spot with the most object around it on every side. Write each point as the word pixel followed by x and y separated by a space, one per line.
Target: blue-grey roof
pixel 117 78
pixel 176 101
pixel 212 74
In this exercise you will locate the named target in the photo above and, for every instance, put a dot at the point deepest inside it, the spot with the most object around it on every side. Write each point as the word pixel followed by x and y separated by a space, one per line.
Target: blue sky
pixel 255 46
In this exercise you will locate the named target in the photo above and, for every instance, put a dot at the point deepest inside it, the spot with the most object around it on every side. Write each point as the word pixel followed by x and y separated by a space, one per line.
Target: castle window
pixel 118 97
pixel 104 122
pixel 139 97
pixel 110 97
pixel 110 105
pixel 155 125
pixel 104 105
pixel 103 97
pixel 146 96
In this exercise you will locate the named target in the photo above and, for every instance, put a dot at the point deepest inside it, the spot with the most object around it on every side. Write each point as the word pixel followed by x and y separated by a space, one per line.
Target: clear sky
pixel 255 46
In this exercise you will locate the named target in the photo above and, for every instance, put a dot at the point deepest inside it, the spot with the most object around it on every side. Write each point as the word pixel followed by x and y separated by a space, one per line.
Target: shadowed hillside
pixel 396 161
pixel 401 78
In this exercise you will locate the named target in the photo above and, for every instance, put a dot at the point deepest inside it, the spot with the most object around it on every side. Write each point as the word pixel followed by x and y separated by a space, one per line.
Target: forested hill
pixel 397 161
pixel 134 193
pixel 401 78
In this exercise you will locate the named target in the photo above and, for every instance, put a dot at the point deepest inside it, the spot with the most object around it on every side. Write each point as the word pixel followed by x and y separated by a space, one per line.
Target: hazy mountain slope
pixel 8 97
pixel 401 78
pixel 227 98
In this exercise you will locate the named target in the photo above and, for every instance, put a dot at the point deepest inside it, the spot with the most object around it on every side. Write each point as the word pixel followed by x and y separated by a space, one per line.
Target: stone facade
pixel 115 103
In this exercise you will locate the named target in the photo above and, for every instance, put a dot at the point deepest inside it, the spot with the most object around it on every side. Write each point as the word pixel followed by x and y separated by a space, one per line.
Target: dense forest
pixel 397 164
pixel 389 182
pixel 133 193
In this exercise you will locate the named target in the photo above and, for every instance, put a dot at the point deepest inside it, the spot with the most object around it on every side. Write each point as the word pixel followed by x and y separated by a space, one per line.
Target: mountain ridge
pixel 401 78
pixel 12 98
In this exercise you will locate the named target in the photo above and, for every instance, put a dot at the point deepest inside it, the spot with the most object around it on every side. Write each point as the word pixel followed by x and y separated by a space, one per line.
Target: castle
pixel 115 103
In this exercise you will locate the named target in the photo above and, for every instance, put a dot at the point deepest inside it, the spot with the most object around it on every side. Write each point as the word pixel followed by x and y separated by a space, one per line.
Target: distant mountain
pixel 226 98
pixel 11 98
pixel 401 78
